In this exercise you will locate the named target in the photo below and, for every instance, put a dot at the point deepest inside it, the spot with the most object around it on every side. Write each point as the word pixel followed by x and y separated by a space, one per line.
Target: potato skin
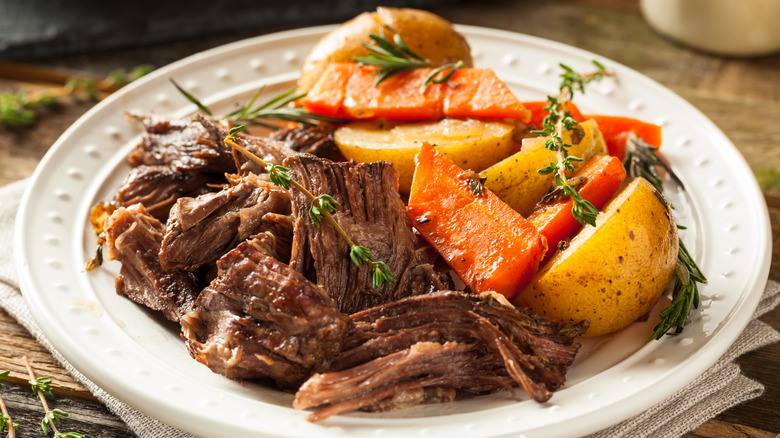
pixel 429 35
pixel 515 179
pixel 614 273
pixel 472 144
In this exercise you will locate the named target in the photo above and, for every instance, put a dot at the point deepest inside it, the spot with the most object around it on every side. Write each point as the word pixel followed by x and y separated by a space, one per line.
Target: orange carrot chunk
pixel 480 94
pixel 488 244
pixel 348 90
pixel 330 91
pixel 602 175
pixel 538 112
pixel 616 130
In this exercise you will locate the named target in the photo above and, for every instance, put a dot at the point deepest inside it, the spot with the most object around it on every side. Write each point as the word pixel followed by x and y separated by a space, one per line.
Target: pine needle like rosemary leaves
pixel 5 418
pixel 399 58
pixel 321 207
pixel 41 387
pixel 559 120
pixel 276 108
pixel 641 160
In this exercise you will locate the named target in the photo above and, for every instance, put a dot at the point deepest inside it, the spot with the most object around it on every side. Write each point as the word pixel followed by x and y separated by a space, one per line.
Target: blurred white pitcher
pixel 723 27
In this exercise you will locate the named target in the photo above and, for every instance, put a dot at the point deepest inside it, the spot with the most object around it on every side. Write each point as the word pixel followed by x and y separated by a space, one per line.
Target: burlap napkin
pixel 720 388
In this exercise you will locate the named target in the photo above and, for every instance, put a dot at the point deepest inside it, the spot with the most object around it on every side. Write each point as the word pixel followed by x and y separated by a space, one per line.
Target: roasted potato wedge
pixel 470 143
pixel 429 35
pixel 515 179
pixel 613 273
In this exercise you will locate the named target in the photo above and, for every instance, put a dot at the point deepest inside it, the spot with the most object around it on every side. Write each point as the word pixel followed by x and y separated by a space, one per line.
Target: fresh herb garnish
pixel 558 121
pixel 399 58
pixel 276 108
pixel 22 109
pixel 5 418
pixel 642 160
pixel 321 207
pixel 41 387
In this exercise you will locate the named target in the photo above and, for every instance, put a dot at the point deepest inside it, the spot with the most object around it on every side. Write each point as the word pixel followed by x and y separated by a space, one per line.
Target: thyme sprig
pixel 558 121
pixel 321 207
pixel 41 387
pixel 641 159
pixel 399 58
pixel 5 418
pixel 22 109
pixel 275 108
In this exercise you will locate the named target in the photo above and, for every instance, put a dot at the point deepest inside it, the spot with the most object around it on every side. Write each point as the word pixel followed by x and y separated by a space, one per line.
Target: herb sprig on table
pixel 558 121
pixel 21 109
pixel 6 424
pixel 41 387
pixel 321 207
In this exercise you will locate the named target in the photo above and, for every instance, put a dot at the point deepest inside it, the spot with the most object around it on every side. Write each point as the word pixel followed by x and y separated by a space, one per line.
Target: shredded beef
pixel 158 187
pixel 133 237
pixel 261 319
pixel 315 140
pixel 440 341
pixel 184 145
pixel 200 230
pixel 372 215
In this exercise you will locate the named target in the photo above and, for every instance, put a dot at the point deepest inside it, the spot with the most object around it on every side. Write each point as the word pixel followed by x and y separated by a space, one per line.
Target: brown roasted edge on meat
pixel 261 319
pixel 201 230
pixel 133 237
pixel 422 349
pixel 372 215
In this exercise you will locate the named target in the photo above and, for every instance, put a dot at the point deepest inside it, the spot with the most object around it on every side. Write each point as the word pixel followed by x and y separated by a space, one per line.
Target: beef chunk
pixel 200 230
pixel 183 145
pixel 261 319
pixel 437 343
pixel 372 215
pixel 315 140
pixel 269 150
pixel 133 237
pixel 158 187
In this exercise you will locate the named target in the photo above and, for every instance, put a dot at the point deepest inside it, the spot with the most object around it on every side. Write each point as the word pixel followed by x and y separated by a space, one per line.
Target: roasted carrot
pixel 538 112
pixel 349 90
pixel 616 130
pixel 602 176
pixel 488 244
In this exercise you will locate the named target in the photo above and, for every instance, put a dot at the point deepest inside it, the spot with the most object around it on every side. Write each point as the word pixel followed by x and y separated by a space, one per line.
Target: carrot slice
pixel 348 90
pixel 603 176
pixel 480 94
pixel 616 130
pixel 488 244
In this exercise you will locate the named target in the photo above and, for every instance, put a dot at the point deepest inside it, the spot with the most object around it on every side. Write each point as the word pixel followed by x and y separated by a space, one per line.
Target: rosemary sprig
pixel 321 207
pixel 41 387
pixel 276 108
pixel 399 58
pixel 558 121
pixel 5 418
pixel 642 160
pixel 685 295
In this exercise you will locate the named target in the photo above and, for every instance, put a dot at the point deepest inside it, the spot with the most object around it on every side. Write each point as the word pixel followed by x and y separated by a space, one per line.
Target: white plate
pixel 139 358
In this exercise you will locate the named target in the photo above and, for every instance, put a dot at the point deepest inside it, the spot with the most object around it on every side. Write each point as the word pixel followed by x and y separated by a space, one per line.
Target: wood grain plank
pixel 87 417
pixel 16 342
pixel 722 429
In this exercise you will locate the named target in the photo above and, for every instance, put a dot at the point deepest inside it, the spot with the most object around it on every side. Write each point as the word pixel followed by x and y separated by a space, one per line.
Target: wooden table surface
pixel 740 95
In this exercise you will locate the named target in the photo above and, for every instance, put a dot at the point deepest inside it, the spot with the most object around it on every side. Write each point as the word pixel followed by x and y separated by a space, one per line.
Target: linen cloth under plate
pixel 716 390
